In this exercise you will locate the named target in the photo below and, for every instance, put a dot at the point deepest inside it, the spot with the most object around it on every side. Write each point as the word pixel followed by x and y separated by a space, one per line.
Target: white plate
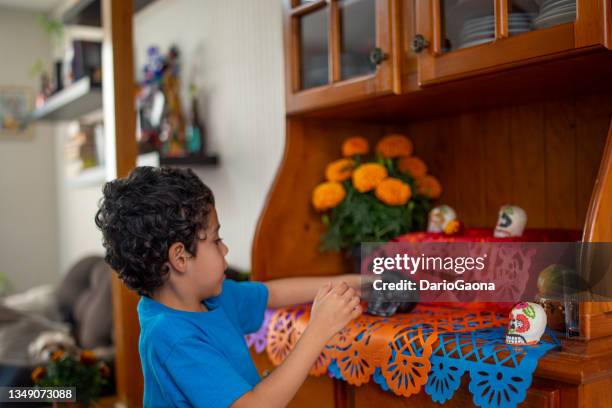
pixel 465 33
pixel 558 7
pixel 492 24
pixel 565 10
pixel 568 17
pixel 491 19
pixel 488 25
pixel 547 3
pixel 476 42
pixel 477 36
pixel 555 4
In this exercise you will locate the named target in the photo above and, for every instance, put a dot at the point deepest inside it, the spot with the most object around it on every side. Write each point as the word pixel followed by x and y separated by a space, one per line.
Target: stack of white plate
pixel 482 29
pixel 555 12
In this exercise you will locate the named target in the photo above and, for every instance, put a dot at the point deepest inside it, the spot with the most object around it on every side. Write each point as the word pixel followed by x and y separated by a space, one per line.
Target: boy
pixel 161 234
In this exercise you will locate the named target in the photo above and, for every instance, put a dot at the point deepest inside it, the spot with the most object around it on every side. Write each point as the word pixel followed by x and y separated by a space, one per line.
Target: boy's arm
pixel 277 389
pixel 293 291
pixel 331 311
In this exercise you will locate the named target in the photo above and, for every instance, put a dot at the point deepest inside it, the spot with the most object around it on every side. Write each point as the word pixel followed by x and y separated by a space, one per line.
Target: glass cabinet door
pixel 543 13
pixel 314 48
pixel 467 24
pixel 357 21
pixel 337 50
pixel 456 38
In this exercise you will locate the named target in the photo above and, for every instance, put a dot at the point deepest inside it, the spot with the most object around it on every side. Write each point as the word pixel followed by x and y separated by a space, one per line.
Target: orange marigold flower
pixel 339 170
pixel 354 146
pixel 104 371
pixel 88 357
pixel 412 166
pixel 38 373
pixel 429 186
pixel 392 191
pixel 57 355
pixel 367 176
pixel 394 145
pixel 453 227
pixel 327 195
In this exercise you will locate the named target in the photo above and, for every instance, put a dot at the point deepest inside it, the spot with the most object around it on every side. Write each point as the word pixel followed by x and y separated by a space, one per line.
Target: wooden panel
pixel 120 123
pixel 499 178
pixel 541 156
pixel 469 142
pixel 315 392
pixel 579 74
pixel 289 230
pixel 540 395
pixel 560 162
pixel 500 54
pixel 593 114
pixel 593 22
pixel 596 318
pixel 528 149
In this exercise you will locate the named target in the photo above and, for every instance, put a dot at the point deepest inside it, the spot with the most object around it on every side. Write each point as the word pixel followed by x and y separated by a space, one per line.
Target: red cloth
pixel 486 235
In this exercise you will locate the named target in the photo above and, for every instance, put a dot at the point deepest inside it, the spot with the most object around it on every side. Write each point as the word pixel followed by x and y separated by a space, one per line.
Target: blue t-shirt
pixel 200 358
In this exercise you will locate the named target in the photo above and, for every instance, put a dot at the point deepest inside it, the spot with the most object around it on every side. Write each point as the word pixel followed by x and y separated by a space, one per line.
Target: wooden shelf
pixel 96 176
pixel 88 12
pixel 72 102
pixel 83 12
pixel 211 160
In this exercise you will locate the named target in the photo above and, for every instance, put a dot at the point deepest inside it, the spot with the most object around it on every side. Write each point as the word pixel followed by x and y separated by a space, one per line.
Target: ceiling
pixel 31 5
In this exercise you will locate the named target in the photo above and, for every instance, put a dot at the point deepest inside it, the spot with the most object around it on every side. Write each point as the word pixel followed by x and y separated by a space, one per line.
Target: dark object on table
pixel 386 303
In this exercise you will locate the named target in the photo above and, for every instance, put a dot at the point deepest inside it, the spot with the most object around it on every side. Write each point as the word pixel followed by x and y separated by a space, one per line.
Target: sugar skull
pixel 439 217
pixel 510 222
pixel 527 324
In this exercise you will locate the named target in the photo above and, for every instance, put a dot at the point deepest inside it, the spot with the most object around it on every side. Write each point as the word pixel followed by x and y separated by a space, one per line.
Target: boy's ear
pixel 177 257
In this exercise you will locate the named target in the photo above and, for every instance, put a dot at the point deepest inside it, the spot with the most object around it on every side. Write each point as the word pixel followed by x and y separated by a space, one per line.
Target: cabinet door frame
pixel 587 32
pixel 386 79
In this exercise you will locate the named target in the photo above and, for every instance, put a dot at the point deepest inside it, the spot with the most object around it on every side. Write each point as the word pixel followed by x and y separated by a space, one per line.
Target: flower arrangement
pixel 82 371
pixel 374 200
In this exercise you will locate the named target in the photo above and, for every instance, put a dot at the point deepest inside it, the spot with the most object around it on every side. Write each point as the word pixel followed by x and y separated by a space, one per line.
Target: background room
pixel 52 171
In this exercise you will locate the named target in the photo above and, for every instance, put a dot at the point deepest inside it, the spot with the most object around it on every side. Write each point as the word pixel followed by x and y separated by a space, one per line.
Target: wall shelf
pixel 88 12
pixel 208 160
pixel 72 102
pixel 96 176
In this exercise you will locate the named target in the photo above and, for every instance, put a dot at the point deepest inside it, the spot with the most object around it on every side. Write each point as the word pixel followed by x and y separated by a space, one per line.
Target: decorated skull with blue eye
pixel 527 324
pixel 440 216
pixel 511 222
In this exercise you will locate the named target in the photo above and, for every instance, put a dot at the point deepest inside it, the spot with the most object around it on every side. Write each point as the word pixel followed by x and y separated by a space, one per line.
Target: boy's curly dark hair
pixel 142 215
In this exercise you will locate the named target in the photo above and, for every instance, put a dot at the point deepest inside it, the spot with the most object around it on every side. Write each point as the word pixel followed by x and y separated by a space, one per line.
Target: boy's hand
pixel 333 308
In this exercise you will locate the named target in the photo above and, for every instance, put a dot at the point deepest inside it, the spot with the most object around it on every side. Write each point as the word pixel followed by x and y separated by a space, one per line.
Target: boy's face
pixel 206 269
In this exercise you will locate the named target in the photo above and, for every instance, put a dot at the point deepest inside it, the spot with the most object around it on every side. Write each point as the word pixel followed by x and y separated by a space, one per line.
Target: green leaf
pixel 361 217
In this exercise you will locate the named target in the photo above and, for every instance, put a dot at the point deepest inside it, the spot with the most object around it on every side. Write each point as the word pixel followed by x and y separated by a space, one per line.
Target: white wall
pixel 233 50
pixel 28 224
pixel 77 205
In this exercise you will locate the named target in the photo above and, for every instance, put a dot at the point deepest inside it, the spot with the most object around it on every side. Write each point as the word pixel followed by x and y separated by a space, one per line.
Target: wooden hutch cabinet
pixel 508 101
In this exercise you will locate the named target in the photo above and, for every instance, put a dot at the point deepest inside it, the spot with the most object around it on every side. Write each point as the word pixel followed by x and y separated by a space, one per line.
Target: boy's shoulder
pixel 161 329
